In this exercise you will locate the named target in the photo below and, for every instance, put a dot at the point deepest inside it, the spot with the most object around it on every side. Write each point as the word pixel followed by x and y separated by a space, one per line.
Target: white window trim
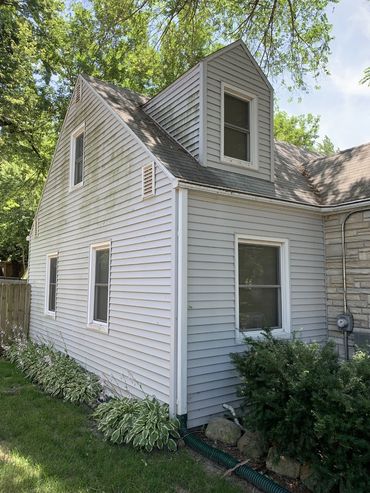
pixel 253 100
pixel 78 131
pixel 47 280
pixel 91 323
pixel 285 329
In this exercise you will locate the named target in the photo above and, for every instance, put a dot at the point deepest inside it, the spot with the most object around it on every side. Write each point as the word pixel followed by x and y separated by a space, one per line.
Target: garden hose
pixel 259 480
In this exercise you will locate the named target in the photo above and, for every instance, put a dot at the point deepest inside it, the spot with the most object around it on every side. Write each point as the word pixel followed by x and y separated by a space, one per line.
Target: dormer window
pixel 239 128
pixel 77 157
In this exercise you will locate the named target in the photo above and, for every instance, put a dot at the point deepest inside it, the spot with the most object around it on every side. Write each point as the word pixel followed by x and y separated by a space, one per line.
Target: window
pixel 51 284
pixel 77 157
pixel 99 285
pixel 238 128
pixel 262 284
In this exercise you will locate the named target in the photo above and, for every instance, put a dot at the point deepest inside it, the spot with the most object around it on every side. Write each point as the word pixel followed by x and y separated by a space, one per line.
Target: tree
pixel 302 131
pixel 140 44
pixel 366 77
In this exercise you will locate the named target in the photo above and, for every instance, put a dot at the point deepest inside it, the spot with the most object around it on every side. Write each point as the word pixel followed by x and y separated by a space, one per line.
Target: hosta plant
pixel 58 374
pixel 143 423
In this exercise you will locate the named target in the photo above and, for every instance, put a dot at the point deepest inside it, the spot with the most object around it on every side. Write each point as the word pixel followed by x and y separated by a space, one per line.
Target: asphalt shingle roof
pixel 300 176
pixel 342 178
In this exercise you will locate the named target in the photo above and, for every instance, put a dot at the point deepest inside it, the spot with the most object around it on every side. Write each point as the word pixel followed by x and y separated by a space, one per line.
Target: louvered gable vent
pixel 36 227
pixel 78 93
pixel 148 180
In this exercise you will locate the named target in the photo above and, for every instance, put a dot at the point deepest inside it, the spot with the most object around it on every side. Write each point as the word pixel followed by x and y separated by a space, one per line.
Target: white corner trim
pixel 182 294
pixel 78 131
pixel 47 312
pixel 272 137
pixel 91 323
pixel 173 333
pixel 283 243
pixel 203 113
pixel 253 115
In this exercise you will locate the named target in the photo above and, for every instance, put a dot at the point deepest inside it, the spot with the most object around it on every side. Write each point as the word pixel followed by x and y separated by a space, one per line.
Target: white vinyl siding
pixel 136 353
pixel 176 109
pixel 234 68
pixel 213 225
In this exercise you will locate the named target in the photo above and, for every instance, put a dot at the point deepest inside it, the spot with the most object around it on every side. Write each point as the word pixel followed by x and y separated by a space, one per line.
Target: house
pixel 170 227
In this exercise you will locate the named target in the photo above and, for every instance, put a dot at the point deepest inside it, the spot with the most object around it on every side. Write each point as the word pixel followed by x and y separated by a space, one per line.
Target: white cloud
pixel 360 17
pixel 346 81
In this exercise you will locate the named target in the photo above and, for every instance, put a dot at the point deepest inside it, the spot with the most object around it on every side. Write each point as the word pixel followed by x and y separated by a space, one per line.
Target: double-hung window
pixel 99 286
pixel 238 128
pixel 77 157
pixel 262 285
pixel 51 284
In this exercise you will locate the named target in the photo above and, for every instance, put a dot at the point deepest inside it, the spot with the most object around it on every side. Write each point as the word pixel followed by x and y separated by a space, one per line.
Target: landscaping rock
pixel 251 445
pixel 280 464
pixel 223 430
pixel 308 477
pixel 180 443
pixel 305 472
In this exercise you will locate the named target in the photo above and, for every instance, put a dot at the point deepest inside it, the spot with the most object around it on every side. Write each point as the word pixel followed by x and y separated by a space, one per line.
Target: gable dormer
pixel 221 111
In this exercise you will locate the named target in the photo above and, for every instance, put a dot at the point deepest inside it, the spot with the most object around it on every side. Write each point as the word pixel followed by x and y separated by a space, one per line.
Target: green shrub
pixel 311 406
pixel 143 423
pixel 57 373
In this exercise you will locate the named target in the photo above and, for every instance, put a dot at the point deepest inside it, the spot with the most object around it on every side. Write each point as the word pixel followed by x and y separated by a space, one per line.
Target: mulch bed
pixel 293 485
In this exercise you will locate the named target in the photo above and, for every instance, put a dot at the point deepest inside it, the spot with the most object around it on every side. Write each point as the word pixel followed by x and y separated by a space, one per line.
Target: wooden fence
pixel 15 298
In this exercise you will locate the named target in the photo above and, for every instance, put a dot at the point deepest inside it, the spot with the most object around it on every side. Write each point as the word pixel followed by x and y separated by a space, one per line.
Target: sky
pixel 342 102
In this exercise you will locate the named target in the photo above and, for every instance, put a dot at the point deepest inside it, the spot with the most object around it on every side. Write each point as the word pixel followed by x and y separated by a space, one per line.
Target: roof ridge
pixel 341 152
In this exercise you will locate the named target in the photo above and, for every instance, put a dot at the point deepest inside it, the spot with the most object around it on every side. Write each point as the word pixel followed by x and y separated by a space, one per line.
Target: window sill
pixel 50 315
pixel 96 327
pixel 76 187
pixel 257 334
pixel 239 163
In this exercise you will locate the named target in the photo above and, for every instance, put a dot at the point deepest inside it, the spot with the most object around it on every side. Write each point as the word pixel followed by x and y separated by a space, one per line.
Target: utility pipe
pixel 344 275
pixel 259 480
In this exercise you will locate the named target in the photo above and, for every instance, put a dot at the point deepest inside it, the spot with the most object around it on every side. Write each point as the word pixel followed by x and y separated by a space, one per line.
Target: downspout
pixel 182 296
pixel 344 276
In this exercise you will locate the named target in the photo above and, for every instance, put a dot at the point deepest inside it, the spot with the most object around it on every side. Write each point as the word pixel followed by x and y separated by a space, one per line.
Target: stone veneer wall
pixel 358 274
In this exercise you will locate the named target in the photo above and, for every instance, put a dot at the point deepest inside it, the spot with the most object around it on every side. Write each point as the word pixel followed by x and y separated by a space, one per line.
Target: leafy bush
pixel 143 423
pixel 57 373
pixel 311 406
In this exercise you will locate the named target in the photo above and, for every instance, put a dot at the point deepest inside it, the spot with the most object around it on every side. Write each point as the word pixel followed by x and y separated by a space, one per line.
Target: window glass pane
pixel 236 144
pixel 52 283
pixel 101 303
pixel 236 111
pixel 259 308
pixel 52 293
pixel 259 264
pixel 79 158
pixel 102 266
pixel 79 146
pixel 53 270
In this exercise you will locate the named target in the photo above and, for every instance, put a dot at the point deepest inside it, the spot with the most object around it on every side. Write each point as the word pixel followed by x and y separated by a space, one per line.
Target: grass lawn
pixel 47 445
